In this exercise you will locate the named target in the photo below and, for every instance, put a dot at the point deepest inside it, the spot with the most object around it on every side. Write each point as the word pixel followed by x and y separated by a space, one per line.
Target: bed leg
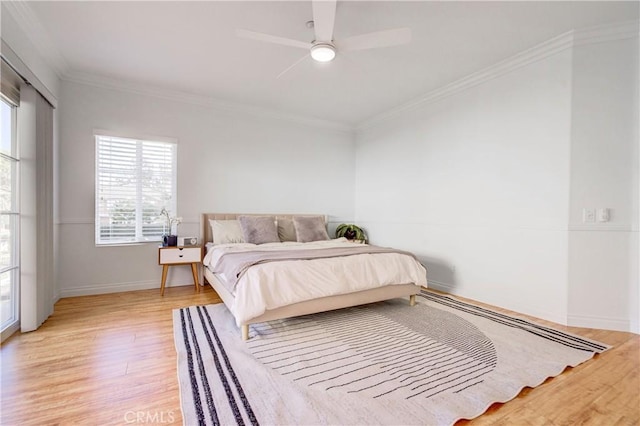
pixel 412 300
pixel 245 332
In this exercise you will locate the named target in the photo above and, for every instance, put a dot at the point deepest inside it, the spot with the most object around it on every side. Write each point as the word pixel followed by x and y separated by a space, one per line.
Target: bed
pixel 256 296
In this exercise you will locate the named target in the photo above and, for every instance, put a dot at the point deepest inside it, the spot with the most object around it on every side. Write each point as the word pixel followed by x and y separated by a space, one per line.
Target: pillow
pixel 310 228
pixel 286 230
pixel 226 231
pixel 259 229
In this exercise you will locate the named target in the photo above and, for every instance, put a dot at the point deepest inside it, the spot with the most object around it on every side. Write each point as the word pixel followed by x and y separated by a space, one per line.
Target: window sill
pixel 138 243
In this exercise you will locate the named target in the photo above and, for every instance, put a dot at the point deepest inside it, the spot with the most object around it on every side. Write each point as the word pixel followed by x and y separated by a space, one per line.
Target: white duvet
pixel 275 284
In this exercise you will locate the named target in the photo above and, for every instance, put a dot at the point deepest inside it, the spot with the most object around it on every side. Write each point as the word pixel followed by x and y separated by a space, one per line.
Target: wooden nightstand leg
pixel 245 331
pixel 194 271
pixel 165 268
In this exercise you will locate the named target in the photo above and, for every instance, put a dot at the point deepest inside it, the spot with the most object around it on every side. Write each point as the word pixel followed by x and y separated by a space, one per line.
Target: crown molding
pixel 39 37
pixel 605 33
pixel 519 60
pixel 33 29
pixel 25 73
pixel 590 35
pixel 200 100
pixel 27 20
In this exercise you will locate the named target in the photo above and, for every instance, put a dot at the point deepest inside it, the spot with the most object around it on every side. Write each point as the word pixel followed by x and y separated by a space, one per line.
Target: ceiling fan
pixel 324 47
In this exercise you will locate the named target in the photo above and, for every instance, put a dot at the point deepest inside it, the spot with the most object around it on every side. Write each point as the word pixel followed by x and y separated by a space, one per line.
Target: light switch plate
pixel 588 215
pixel 603 215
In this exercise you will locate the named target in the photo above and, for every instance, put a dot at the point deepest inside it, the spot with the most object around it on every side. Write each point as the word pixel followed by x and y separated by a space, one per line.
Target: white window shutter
pixel 135 180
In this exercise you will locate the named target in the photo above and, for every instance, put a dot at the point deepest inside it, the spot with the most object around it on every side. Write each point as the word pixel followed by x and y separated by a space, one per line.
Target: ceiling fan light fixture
pixel 323 52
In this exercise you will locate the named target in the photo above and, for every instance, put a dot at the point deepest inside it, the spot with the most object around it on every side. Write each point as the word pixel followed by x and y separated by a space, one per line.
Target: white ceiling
pixel 191 47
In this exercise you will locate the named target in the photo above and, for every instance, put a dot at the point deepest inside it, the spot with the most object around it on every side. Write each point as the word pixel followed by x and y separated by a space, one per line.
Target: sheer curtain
pixel 35 141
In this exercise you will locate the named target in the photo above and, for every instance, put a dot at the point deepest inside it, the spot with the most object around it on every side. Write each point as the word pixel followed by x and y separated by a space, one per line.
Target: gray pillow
pixel 310 228
pixel 286 230
pixel 259 229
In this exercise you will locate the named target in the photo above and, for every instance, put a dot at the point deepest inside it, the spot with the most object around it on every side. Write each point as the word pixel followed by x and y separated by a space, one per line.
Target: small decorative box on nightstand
pixel 188 241
pixel 168 256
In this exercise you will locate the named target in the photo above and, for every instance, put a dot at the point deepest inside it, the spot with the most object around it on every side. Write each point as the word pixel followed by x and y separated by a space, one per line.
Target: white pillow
pixel 226 231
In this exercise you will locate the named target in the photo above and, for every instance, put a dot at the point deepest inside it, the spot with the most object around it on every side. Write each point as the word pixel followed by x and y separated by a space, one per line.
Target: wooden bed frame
pixel 302 308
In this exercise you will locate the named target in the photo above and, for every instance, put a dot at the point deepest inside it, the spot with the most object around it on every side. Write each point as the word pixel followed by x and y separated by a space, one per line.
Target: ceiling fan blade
pixel 267 38
pixel 324 16
pixel 292 65
pixel 376 39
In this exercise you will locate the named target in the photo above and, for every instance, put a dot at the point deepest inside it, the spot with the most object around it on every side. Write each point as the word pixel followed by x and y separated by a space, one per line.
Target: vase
pixel 169 240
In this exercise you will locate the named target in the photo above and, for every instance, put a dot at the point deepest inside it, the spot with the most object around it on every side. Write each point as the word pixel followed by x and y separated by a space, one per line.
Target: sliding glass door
pixel 9 219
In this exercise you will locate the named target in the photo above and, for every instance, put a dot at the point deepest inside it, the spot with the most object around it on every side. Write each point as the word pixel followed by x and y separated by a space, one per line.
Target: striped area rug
pixel 385 363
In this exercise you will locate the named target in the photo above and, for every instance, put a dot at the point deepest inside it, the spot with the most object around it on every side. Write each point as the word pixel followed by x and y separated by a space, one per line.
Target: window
pixel 9 218
pixel 135 180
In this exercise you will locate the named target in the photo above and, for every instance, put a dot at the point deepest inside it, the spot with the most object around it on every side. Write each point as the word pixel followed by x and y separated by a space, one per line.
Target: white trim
pixel 519 60
pixel 7 332
pixel 111 288
pixel 634 305
pixel 91 221
pixel 76 221
pixel 591 35
pixel 634 325
pixel 104 82
pixel 499 302
pixel 601 228
pixel 25 72
pixel 606 32
pixel 133 152
pixel 551 227
pixel 604 323
pixel 28 21
pixel 440 286
pixel 135 136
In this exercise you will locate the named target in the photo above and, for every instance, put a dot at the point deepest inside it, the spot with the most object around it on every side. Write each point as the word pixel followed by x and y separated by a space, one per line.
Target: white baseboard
pixel 617 324
pixel 503 303
pixel 9 331
pixel 440 286
pixel 109 288
pixel 603 323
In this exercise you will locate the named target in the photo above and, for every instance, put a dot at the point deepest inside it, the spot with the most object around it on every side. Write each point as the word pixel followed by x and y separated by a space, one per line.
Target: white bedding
pixel 273 285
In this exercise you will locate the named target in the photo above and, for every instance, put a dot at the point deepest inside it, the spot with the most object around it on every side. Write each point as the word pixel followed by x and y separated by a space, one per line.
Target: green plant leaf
pixel 345 228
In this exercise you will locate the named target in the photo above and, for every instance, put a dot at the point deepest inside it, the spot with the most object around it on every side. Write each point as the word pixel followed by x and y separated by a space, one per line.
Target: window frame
pixel 12 323
pixel 170 204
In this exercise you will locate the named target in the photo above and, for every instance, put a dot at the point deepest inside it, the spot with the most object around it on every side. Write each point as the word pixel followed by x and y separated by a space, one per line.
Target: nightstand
pixel 169 256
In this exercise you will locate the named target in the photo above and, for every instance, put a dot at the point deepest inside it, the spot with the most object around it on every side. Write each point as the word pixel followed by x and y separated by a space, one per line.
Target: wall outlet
pixel 603 215
pixel 588 215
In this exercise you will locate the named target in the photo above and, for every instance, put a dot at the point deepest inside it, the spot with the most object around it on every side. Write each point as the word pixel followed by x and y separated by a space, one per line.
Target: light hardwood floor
pixel 110 359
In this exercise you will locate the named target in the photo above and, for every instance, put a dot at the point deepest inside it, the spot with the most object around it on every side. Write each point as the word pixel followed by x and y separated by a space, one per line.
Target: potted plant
pixel 171 238
pixel 351 232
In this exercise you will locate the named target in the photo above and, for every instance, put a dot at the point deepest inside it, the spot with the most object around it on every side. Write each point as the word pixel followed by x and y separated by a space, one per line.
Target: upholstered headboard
pixel 205 230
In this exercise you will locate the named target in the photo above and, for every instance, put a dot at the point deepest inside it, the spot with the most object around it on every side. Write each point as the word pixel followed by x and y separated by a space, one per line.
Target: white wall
pixel 227 162
pixel 477 185
pixel 603 281
pixel 487 183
